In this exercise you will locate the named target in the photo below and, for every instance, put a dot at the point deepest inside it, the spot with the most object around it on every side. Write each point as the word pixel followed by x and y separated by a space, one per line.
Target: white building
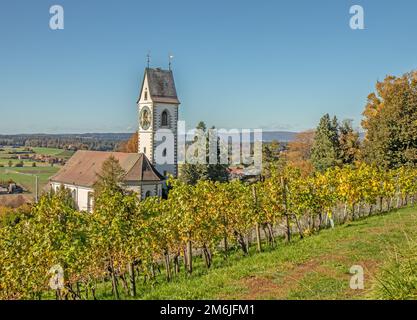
pixel 158 109
pixel 81 172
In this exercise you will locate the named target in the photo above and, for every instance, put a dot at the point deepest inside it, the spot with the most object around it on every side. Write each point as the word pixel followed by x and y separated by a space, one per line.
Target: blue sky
pixel 276 65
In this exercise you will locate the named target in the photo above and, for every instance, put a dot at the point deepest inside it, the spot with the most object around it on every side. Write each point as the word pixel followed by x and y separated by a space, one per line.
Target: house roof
pixel 83 167
pixel 161 85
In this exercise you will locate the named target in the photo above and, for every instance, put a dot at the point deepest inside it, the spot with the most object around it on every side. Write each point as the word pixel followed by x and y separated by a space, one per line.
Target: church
pixel 157 109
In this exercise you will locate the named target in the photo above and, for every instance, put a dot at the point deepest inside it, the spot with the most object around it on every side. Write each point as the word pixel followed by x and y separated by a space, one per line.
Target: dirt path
pixel 280 286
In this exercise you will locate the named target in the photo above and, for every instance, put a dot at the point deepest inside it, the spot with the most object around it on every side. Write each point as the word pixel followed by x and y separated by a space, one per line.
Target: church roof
pixel 83 167
pixel 161 85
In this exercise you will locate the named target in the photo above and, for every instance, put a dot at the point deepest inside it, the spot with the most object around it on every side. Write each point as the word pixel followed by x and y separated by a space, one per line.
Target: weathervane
pixel 170 61
pixel 148 58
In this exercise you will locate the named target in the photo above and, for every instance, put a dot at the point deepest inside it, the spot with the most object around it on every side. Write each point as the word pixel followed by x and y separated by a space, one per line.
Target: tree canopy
pixel 390 121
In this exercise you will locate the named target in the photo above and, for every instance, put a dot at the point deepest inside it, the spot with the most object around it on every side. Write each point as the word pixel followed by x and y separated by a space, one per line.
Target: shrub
pixel 19 164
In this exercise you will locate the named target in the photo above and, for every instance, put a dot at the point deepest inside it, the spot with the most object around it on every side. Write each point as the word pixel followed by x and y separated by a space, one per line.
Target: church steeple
pixel 158 109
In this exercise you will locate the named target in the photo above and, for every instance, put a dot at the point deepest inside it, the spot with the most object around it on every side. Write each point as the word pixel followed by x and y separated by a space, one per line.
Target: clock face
pixel 145 118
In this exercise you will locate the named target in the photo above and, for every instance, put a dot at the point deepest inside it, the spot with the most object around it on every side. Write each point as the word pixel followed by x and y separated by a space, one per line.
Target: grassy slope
pixel 314 268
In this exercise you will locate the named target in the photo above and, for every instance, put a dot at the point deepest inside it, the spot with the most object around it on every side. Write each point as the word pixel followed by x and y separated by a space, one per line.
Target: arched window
pixel 147 194
pixel 164 152
pixel 146 95
pixel 164 118
pixel 74 197
pixel 90 202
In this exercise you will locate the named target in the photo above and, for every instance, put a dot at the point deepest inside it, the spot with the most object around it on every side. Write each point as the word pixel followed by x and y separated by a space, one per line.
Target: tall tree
pixel 270 156
pixel 192 173
pixel 110 177
pixel 390 121
pixel 326 149
pixel 349 142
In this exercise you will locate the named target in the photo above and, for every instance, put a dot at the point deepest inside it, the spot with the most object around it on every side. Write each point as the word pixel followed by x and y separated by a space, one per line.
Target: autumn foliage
pixel 125 239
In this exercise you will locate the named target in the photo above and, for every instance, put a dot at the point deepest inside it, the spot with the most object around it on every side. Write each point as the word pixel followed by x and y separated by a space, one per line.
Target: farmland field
pixel 25 176
pixel 9 154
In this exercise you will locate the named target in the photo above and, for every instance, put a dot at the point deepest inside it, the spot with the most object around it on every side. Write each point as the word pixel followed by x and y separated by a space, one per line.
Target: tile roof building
pixel 82 171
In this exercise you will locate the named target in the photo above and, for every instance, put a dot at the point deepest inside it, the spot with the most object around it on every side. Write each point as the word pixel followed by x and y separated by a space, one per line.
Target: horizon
pixel 272 66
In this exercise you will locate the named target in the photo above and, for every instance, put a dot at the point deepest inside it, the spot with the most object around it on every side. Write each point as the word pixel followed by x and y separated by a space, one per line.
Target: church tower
pixel 158 114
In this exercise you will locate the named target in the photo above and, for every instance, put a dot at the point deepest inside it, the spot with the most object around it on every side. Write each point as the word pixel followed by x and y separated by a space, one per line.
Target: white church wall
pixel 79 194
pixel 172 111
pixel 153 189
pixel 145 144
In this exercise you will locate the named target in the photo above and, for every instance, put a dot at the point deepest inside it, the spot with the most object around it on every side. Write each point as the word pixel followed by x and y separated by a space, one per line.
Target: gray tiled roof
pixel 161 85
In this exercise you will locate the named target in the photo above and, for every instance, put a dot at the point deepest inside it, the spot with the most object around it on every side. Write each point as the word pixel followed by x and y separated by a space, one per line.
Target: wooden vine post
pixel 285 207
pixel 257 227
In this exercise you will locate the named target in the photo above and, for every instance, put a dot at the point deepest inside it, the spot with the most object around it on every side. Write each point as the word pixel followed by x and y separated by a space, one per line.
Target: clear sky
pixel 277 65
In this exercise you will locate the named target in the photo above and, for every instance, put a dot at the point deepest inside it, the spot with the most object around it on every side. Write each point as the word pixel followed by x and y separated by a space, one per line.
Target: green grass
pixel 53 152
pixel 43 170
pixel 27 180
pixel 314 268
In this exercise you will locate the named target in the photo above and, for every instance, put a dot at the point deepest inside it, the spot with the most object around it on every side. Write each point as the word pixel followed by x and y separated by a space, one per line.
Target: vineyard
pixel 126 242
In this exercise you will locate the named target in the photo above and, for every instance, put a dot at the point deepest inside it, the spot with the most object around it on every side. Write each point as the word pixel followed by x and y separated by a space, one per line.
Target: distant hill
pixel 108 141
pixel 281 136
pixel 90 141
pixel 21 139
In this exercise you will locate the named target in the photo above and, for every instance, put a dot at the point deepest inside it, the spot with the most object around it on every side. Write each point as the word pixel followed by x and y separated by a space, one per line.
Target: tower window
pixel 144 150
pixel 164 152
pixel 164 119
pixel 146 95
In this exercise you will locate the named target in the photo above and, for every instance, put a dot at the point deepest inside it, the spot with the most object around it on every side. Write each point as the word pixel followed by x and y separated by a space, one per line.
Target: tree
pixel 390 121
pixel 111 176
pixel 217 171
pixel 191 173
pixel 270 155
pixel 349 143
pixel 113 216
pixel 131 145
pixel 298 153
pixel 326 148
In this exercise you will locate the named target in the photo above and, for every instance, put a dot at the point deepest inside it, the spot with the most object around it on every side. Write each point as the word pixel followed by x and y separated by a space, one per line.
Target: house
pixel 81 172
